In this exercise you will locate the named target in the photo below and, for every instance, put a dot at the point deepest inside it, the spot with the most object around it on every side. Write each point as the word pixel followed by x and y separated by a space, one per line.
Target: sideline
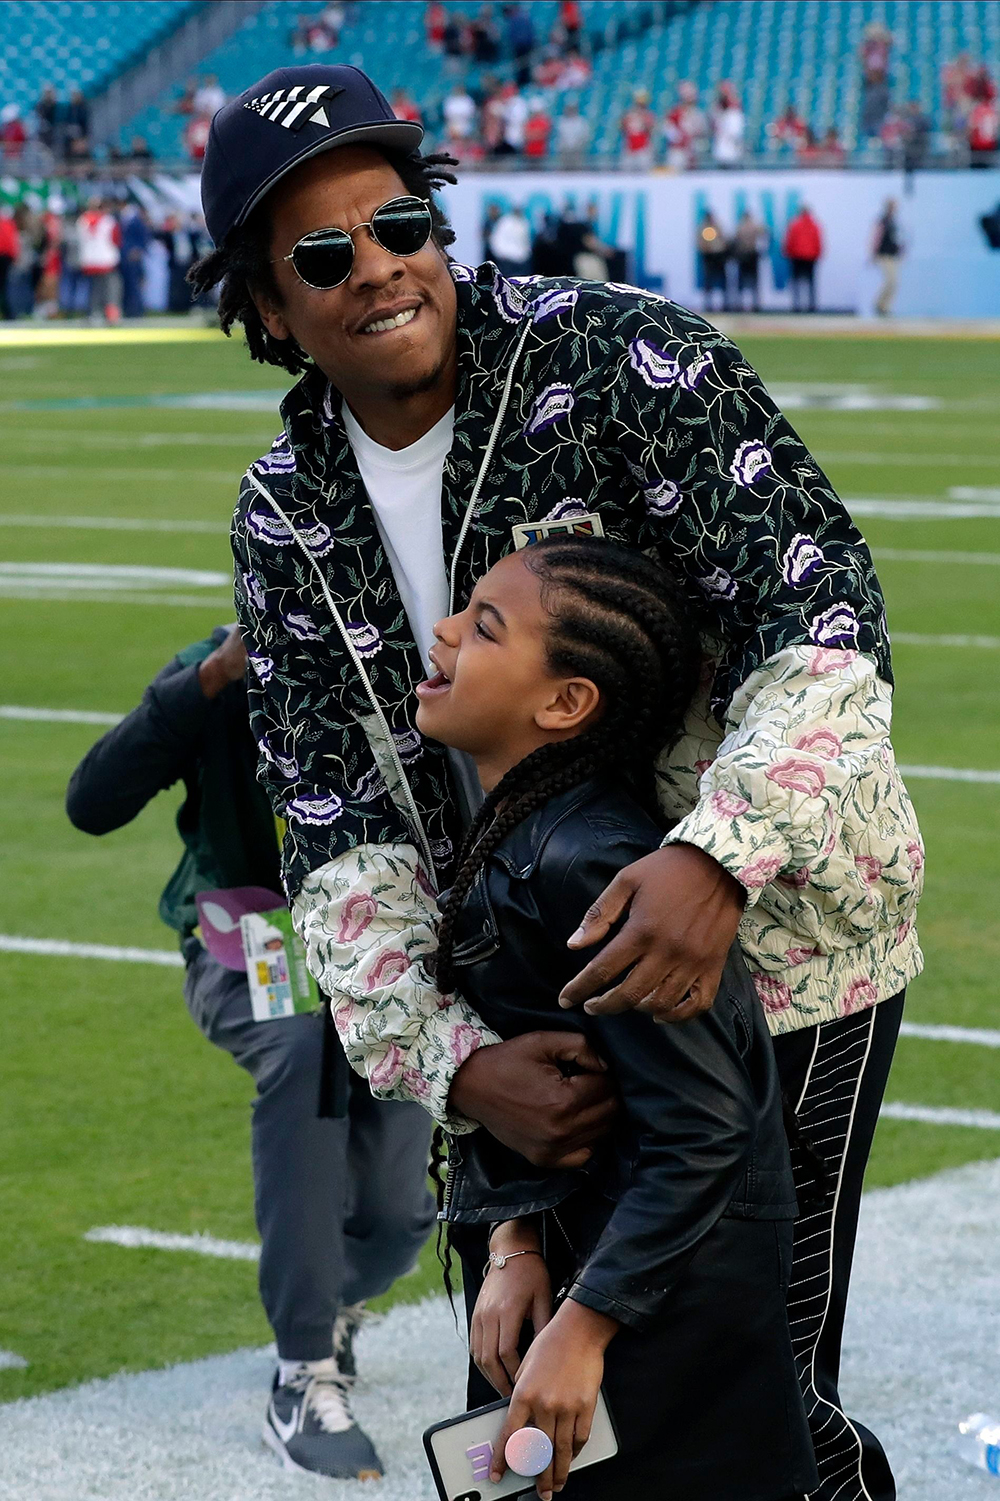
pixel 33 337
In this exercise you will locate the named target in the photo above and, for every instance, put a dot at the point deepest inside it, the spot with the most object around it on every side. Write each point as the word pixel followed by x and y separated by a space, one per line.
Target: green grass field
pixel 114 1109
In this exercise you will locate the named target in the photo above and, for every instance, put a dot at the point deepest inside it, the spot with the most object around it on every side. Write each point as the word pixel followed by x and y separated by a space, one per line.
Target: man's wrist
pixel 212 676
pixel 464 1093
pixel 586 1324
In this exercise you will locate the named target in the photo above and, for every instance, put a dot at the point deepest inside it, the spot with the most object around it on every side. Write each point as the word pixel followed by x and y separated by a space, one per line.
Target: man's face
pixel 342 188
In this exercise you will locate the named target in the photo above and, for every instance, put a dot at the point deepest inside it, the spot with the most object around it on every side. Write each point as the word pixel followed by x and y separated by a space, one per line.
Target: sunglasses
pixel 324 258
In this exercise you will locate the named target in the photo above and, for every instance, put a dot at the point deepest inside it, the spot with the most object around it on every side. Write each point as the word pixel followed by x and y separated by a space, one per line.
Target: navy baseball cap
pixel 290 115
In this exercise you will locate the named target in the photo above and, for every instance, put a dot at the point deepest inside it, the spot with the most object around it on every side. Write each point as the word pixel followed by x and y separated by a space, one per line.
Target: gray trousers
pixel 342 1206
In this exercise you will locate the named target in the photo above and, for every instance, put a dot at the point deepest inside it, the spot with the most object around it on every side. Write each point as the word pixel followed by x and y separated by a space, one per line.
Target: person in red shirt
pixel 638 124
pixel 404 107
pixel 685 128
pixel 10 249
pixel 789 131
pixel 196 137
pixel 803 248
pixel 12 132
pixel 537 131
pixel 984 133
pixel 435 21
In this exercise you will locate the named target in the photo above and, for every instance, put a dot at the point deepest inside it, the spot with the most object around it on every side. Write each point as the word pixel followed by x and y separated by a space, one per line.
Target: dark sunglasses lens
pixel 402 227
pixel 324 260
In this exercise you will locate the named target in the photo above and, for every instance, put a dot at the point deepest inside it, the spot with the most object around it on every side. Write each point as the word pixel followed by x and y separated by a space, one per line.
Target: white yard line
pixel 904 460
pixel 76 473
pixel 973 492
pixel 108 575
pixel 922 510
pixel 11 1362
pixel 948 774
pixel 137 1236
pixel 57 948
pixel 906 555
pixel 49 438
pixel 116 524
pixel 222 604
pixel 914 638
pixel 982 1037
pixel 58 716
pixel 941 1115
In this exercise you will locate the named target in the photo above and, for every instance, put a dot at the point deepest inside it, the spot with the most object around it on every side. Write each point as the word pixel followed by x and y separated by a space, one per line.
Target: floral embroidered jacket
pixel 577 398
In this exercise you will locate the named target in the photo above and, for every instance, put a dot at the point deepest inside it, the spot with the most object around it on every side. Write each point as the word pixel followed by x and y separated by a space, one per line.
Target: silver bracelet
pixel 499 1259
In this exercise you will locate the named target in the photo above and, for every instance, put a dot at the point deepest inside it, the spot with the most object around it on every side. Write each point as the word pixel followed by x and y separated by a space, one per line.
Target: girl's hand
pixel 510 1294
pixel 557 1388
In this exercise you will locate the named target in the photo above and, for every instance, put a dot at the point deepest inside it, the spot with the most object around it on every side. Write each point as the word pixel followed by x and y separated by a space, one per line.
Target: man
pixel 342 1203
pixel 887 251
pixel 803 248
pixel 441 408
pixel 100 253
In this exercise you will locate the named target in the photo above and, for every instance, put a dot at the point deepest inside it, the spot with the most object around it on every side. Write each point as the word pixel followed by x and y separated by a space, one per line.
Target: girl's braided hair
pixel 628 625
pixel 242 264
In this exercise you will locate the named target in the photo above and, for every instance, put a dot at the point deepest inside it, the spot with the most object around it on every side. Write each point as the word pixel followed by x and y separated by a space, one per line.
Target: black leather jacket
pixel 700 1134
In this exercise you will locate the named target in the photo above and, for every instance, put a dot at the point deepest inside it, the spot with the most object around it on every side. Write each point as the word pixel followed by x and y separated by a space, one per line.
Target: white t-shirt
pixel 404 487
pixel 460 113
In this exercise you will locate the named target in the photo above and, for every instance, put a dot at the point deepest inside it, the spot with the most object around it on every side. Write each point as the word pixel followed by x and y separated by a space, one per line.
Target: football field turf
pixel 115 1111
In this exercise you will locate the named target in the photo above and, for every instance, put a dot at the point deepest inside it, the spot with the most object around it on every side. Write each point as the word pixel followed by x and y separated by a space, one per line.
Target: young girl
pixel 566 676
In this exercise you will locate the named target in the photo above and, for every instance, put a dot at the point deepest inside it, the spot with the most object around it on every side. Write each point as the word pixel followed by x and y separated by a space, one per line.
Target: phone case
pixel 459 1451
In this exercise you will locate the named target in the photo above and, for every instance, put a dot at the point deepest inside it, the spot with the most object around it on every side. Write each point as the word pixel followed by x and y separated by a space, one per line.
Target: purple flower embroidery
pixel 318 538
pixel 571 506
pixel 441 849
pixel 409 744
pixel 253 591
pixel 551 304
pixel 837 626
pixel 317 810
pixel 262 666
pixel 460 273
pixel 719 584
pixel 656 367
pixel 280 460
pixel 369 787
pixel 752 460
pixel 287 765
pixel 510 303
pixel 555 402
pixel 662 498
pixel 801 560
pixel 697 370
pixel 268 528
pixel 300 625
pixel 365 638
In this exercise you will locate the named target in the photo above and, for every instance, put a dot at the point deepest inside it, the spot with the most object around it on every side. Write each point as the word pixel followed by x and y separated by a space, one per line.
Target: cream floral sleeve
pixel 367 919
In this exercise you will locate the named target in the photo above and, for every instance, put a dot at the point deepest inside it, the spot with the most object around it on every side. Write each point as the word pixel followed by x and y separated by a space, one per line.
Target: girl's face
pixel 494 695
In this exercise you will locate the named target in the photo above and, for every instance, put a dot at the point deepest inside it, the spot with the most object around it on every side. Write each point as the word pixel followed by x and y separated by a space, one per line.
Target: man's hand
pixel 523 1093
pixel 683 913
pixel 226 664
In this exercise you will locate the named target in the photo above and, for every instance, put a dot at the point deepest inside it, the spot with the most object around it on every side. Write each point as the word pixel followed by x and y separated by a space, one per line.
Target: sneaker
pixel 310 1425
pixel 348 1322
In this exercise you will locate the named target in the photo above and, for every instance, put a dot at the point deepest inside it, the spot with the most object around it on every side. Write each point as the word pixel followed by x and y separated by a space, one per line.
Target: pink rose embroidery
pixel 387 1071
pixel 387 967
pixel 760 871
pixel 825 659
pixel 798 774
pixel 903 929
pixel 801 956
pixel 424 883
pixel 859 995
pixel 916 854
pixel 727 804
pixel 359 910
pixel 775 995
pixel 796 878
pixel 416 1086
pixel 821 742
pixel 464 1042
pixel 702 766
pixel 342 1015
pixel 869 868
pixel 831 838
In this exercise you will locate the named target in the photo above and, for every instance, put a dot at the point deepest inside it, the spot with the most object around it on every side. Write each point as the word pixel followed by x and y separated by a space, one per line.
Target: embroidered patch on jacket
pixel 527 532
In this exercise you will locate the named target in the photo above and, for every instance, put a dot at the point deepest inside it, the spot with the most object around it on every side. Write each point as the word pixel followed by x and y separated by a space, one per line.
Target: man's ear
pixel 574 702
pixel 270 314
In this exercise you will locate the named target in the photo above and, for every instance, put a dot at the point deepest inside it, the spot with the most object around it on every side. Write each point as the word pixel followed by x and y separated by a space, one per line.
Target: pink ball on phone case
pixel 528 1451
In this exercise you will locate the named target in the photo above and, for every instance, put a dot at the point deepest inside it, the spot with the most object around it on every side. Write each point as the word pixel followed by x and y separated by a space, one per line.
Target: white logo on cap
pixel 291 107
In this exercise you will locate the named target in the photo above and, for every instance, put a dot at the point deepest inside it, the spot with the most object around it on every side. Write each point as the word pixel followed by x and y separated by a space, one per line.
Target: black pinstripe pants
pixel 834 1076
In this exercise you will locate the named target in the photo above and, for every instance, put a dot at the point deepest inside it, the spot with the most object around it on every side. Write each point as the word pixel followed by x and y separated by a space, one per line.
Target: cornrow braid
pixel 242 264
pixel 626 623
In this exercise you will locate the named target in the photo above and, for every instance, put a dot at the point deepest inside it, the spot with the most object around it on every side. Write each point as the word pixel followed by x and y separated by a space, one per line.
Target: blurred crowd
pixel 971 133
pixel 106 260
pixel 566 244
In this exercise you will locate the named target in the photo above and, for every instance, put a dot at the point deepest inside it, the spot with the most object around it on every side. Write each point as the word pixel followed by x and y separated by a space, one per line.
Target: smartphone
pixel 459 1452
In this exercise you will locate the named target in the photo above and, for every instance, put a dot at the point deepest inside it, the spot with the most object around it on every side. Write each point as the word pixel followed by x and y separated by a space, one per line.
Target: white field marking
pixel 914 638
pixel 108 575
pixel 221 603
pixel 905 555
pixel 11 1362
pixel 65 438
pixel 847 398
pixel 905 460
pixel 57 948
pixel 77 473
pixel 922 510
pixel 973 492
pixel 941 1032
pixel 117 524
pixel 136 1236
pixel 948 774
pixel 58 716
pixel 941 1115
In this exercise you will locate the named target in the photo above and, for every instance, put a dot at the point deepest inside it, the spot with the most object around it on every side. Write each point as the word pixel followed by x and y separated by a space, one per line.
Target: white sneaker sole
pixel 273 1442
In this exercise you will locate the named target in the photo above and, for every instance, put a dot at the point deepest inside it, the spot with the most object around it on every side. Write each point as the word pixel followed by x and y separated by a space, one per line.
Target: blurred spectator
pixel 893 135
pixel 825 153
pixel 515 120
pixel 712 251
pixel 572 137
pixel 453 38
pixel 484 35
pixel 728 128
pixel 575 72
pixel 435 20
pixel 749 243
pixel 803 247
pixel 549 69
pixel 789 131
pixel 685 128
pixel 209 97
pixel 459 112
pixel 12 132
pixel 185 104
pixel 955 98
pixel 984 133
pixel 592 257
pixel 916 136
pixel 136 238
pixel 77 125
pixel 520 40
pixel 46 113
pixel 510 242
pixel 21 282
pixel 875 53
pixel 637 127
pixel 404 106
pixel 981 85
pixel 196 134
pixel 546 259
pixel 570 24
pixel 10 249
pixel 46 285
pixel 139 149
pixel 492 121
pixel 537 131
pixel 100 254
pixel 887 248
pixel 74 287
